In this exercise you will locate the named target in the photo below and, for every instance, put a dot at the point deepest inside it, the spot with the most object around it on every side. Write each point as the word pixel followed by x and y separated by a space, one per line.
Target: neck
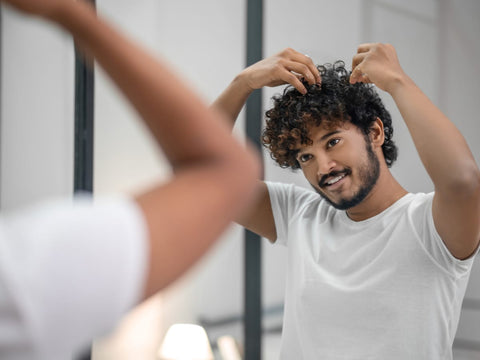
pixel 384 194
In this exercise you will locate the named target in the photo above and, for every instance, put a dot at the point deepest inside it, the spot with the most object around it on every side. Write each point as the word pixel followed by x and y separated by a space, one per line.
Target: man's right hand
pixel 286 67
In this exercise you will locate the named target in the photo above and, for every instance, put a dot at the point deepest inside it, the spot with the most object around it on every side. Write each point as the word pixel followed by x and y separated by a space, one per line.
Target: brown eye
pixel 332 143
pixel 304 158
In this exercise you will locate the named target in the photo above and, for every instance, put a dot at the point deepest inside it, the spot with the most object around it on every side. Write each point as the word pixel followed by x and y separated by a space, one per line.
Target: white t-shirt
pixel 383 288
pixel 68 271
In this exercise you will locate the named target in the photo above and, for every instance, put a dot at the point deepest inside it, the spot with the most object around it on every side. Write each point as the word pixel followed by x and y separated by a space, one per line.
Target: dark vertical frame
pixel 84 112
pixel 252 253
pixel 84 103
pixel 83 138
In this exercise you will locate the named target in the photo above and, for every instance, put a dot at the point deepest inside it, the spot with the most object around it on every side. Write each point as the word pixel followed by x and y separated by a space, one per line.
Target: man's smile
pixel 334 179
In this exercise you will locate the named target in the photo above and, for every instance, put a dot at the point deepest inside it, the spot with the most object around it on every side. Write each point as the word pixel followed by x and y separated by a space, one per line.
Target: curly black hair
pixel 333 102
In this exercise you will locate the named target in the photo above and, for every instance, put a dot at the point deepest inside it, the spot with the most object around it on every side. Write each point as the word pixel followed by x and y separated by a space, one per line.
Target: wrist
pixel 398 83
pixel 242 84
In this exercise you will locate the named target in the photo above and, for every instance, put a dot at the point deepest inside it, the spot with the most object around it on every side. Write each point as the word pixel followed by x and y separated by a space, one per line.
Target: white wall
pixel 36 149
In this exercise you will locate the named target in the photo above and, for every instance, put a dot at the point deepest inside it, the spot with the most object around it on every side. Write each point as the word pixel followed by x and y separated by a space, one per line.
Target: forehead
pixel 322 132
pixel 319 131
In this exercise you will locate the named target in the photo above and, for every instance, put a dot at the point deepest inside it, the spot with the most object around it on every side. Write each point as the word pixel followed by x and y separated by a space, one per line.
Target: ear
pixel 377 136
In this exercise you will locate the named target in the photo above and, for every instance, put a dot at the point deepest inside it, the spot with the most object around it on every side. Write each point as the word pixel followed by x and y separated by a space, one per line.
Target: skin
pixel 441 147
pixel 214 177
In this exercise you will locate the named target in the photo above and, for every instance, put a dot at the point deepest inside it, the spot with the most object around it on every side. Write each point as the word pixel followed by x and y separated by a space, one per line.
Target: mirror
pixel 437 46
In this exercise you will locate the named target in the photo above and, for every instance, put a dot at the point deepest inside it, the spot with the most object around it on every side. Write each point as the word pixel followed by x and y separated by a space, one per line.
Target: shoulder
pixel 419 203
pixel 416 208
pixel 420 215
pixel 292 192
pixel 296 201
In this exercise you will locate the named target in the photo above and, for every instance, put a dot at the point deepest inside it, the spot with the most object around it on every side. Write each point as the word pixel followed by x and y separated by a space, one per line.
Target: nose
pixel 325 164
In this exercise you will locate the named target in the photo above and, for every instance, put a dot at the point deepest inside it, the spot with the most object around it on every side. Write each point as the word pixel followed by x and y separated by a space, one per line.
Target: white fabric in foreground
pixel 69 270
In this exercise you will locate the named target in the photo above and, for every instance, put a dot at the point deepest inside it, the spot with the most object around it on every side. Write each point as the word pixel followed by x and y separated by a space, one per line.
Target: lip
pixel 337 185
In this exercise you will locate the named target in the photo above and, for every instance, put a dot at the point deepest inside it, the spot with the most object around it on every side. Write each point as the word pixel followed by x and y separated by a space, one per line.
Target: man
pixel 374 272
pixel 68 272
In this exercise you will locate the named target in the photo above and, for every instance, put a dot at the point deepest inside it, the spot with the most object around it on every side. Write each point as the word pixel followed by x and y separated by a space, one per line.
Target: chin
pixel 345 203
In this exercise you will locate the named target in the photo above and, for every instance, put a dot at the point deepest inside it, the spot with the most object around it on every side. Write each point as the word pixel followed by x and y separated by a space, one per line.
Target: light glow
pixel 186 342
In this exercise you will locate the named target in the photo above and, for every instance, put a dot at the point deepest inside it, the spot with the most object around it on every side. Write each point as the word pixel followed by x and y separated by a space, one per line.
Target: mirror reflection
pixel 431 48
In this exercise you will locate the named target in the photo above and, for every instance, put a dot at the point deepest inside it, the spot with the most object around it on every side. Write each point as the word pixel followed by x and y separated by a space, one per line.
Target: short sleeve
pixel 73 268
pixel 421 214
pixel 287 201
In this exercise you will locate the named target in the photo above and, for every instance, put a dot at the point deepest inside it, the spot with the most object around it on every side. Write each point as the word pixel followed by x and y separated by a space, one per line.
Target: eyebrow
pixel 329 134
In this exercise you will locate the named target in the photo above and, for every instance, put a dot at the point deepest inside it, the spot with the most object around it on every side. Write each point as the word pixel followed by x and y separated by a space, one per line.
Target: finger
pixel 307 61
pixel 293 80
pixel 365 79
pixel 313 68
pixel 357 71
pixel 365 47
pixel 298 76
pixel 301 69
pixel 357 59
pixel 357 75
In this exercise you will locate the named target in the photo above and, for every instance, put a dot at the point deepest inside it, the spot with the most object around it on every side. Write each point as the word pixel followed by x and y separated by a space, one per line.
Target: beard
pixel 368 174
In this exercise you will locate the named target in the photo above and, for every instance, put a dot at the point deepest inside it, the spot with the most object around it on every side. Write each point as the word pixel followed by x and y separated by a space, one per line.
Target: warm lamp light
pixel 186 342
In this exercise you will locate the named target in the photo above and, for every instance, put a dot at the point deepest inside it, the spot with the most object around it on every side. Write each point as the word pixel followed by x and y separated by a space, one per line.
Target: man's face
pixel 340 165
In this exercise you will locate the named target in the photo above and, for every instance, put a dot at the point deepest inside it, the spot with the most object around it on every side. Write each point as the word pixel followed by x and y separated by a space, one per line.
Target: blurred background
pixel 204 42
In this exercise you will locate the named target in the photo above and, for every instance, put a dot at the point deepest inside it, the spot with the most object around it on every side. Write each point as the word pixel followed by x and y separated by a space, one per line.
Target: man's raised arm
pixel 442 148
pixel 286 67
pixel 214 176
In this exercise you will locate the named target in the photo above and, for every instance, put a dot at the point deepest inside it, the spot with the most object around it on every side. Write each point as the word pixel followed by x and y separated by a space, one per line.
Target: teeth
pixel 334 180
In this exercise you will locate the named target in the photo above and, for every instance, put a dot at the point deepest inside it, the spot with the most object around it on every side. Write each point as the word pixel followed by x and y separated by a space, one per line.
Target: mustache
pixel 335 173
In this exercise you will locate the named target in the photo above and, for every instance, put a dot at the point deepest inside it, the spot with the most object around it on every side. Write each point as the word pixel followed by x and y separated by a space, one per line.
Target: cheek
pixel 310 174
